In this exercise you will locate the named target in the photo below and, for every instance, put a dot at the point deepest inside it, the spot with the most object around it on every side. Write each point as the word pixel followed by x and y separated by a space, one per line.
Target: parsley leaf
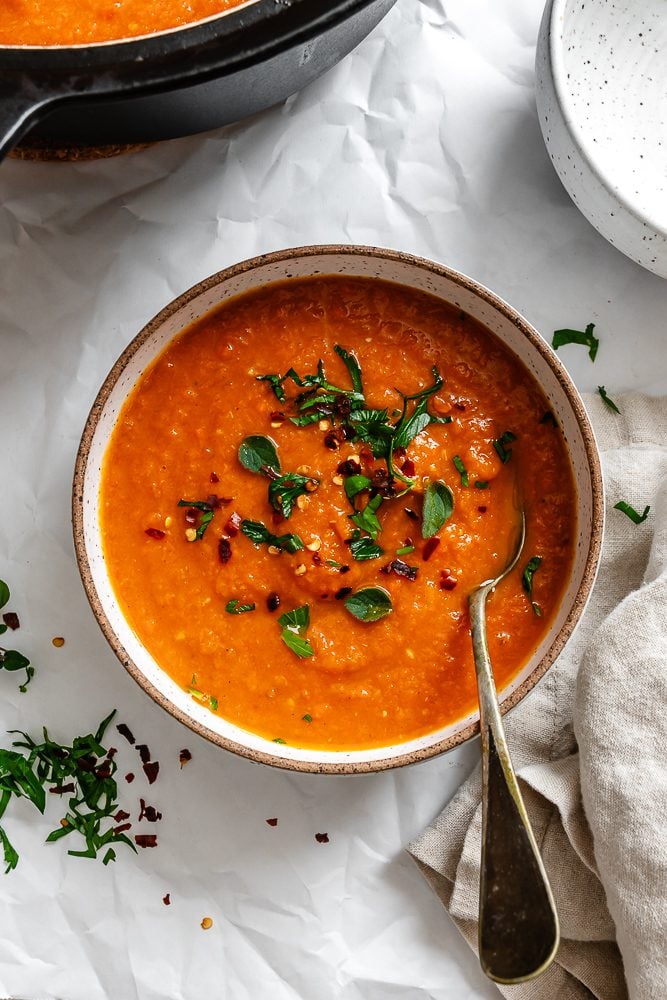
pixel 500 444
pixel 585 338
pixel 369 604
pixel 353 368
pixel 234 607
pixel 461 469
pixel 630 512
pixel 367 519
pixel 438 507
pixel 607 399
pixel 284 491
pixel 276 384
pixel 294 626
pixel 363 549
pixel 356 484
pixel 527 576
pixel 410 425
pixel 11 659
pixel 258 533
pixel 257 451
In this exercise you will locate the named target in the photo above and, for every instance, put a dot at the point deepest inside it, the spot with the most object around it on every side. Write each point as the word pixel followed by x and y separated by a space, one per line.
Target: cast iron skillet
pixel 180 81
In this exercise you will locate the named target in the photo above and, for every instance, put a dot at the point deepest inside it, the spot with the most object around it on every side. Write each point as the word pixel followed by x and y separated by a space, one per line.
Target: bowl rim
pixel 575 130
pixel 284 256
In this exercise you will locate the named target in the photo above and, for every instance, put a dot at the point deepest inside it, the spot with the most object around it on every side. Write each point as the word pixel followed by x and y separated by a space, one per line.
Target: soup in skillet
pixel 80 22
pixel 303 489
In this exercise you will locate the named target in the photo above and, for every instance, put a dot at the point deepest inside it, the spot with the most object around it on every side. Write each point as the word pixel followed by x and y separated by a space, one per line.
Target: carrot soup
pixel 303 489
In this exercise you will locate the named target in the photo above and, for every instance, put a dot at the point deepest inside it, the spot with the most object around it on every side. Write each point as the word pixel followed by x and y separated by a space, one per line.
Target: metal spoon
pixel 518 923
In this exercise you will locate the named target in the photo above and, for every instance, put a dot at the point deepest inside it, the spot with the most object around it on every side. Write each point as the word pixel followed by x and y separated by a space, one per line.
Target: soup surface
pixel 80 22
pixel 308 580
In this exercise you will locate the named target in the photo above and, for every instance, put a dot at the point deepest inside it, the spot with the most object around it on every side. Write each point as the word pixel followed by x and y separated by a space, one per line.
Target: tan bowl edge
pixel 552 653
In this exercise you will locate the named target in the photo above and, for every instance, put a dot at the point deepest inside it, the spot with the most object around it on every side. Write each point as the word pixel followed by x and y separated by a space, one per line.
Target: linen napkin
pixel 589 745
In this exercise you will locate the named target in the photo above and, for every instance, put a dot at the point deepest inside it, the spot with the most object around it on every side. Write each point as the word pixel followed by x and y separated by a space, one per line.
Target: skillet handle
pixel 22 104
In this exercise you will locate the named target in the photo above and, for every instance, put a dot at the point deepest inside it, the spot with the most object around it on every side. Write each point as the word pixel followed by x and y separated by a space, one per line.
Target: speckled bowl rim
pixel 536 342
pixel 577 133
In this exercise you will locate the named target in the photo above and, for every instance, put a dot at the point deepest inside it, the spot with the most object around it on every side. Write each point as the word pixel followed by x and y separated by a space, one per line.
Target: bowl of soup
pixel 293 478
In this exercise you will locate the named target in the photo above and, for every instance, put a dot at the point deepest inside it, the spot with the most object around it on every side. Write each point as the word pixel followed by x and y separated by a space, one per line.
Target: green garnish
pixel 306 718
pixel 205 699
pixel 207 514
pixel 356 484
pixel 405 551
pixel 537 610
pixel 409 426
pixel 353 367
pixel 363 548
pixel 586 338
pixel 279 739
pixel 367 519
pixel 500 444
pixel 283 492
pixel 369 604
pixel 257 452
pixel 276 384
pixel 373 428
pixel 527 576
pixel 438 507
pixel 461 469
pixel 294 626
pixel 11 659
pixel 630 512
pixel 481 484
pixel 84 770
pixel 234 607
pixel 607 399
pixel 332 563
pixel 258 533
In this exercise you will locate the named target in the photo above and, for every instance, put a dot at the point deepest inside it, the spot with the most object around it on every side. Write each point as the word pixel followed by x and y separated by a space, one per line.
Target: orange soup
pixel 80 22
pixel 302 491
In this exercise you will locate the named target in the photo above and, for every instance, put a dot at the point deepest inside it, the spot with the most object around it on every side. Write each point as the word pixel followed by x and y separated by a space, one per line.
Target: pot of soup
pixel 103 73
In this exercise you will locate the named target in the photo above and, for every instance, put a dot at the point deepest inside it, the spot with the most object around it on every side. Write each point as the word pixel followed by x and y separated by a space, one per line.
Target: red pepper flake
pixel 103 772
pixel 482 510
pixel 184 757
pixel 126 732
pixel 349 468
pixel 144 752
pixel 408 467
pixel 429 548
pixel 322 838
pixel 273 821
pixel 224 550
pixel 277 517
pixel 122 828
pixel 366 456
pixel 273 602
pixel 151 770
pixel 232 526
pixel 62 789
pixel 191 515
pixel 277 415
pixel 155 533
pixel 215 478
pixel 167 900
pixel 331 441
pixel 447 581
pixel 344 569
pixel 400 568
pixel 459 405
pixel 342 593
pixel 145 839
pixel 11 620
pixel 317 559
pixel 121 816
pixel 411 514
pixel 111 753
pixel 129 778
pixel 149 813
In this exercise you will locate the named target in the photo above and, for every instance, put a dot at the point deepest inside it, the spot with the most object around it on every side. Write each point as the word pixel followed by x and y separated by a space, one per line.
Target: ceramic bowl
pixel 416 273
pixel 601 79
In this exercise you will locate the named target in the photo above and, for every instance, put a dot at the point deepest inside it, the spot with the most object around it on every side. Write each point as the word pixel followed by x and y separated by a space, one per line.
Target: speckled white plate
pixel 423 275
pixel 601 83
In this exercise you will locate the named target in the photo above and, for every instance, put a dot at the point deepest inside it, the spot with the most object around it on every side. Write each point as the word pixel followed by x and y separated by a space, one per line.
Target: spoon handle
pixel 518 923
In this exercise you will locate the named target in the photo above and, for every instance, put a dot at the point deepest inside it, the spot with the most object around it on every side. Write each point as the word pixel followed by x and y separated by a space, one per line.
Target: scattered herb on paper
pixel 583 337
pixel 11 659
pixel 607 399
pixel 630 512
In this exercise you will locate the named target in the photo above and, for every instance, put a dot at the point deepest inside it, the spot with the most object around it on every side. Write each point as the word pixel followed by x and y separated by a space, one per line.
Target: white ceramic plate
pixel 416 273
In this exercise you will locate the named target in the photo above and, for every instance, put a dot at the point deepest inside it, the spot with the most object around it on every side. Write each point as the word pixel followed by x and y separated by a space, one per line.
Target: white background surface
pixel 425 139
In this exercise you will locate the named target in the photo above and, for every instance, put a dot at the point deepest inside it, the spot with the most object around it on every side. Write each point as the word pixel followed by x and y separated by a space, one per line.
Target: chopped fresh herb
pixel 258 533
pixel 295 626
pixel 356 484
pixel 500 444
pixel 367 519
pixel 279 739
pixel 284 491
pixel 276 384
pixel 410 425
pixel 374 428
pixel 586 338
pixel 461 469
pixel 369 604
pixel 363 548
pixel 257 451
pixel 481 484
pixel 405 550
pixel 438 507
pixel 333 563
pixel 630 512
pixel 234 607
pixel 11 659
pixel 307 718
pixel 353 368
pixel 548 418
pixel 527 576
pixel 86 769
pixel 537 610
pixel 607 399
pixel 207 509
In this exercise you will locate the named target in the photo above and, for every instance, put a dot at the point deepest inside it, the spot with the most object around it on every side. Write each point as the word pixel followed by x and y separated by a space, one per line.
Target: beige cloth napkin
pixel 590 747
